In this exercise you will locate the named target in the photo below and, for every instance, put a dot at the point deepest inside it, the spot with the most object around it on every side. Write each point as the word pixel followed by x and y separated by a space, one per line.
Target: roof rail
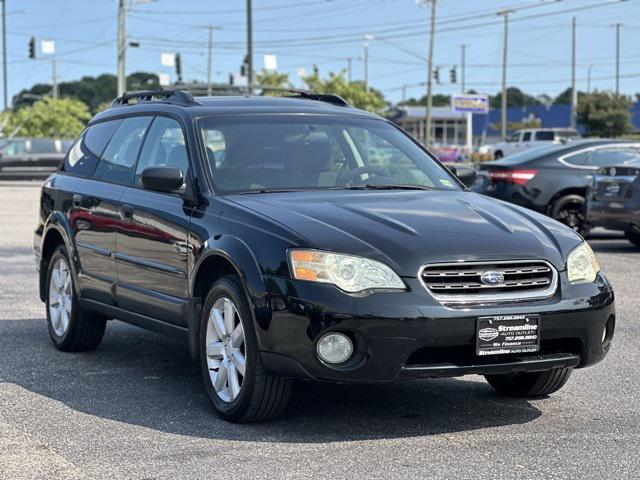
pixel 321 97
pixel 178 97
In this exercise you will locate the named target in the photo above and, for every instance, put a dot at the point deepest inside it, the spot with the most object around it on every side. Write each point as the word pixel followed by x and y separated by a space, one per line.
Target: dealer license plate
pixel 501 334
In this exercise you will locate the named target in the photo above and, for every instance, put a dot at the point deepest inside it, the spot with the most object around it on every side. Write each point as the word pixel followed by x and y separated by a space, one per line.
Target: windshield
pixel 296 152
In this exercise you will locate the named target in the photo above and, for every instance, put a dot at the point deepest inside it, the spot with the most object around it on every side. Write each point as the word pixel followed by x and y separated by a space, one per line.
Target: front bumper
pixel 410 335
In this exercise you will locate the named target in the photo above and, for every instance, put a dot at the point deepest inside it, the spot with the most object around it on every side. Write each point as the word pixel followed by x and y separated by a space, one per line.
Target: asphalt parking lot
pixel 135 408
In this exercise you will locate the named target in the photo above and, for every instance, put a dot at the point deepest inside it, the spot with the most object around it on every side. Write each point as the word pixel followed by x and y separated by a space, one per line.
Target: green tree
pixel 64 117
pixel 355 92
pixel 564 97
pixel 437 100
pixel 515 98
pixel 604 114
pixel 273 79
pixel 93 91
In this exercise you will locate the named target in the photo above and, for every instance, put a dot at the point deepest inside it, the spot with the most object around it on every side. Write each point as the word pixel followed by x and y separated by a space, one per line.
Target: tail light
pixel 519 177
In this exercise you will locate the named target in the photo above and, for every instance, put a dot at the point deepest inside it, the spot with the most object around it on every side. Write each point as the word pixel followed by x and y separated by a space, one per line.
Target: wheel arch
pixel 582 191
pixel 223 255
pixel 57 231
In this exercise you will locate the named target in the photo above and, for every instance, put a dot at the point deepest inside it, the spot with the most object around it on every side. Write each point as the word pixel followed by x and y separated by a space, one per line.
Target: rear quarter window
pixel 85 152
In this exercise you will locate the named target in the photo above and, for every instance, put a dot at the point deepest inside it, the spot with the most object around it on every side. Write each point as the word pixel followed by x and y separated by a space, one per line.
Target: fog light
pixel 335 348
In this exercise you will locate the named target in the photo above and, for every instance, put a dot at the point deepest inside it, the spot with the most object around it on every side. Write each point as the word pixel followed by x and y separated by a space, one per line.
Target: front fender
pixel 237 254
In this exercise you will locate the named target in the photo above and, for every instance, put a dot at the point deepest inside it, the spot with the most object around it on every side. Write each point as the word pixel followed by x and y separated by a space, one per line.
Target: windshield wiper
pixel 370 186
pixel 267 190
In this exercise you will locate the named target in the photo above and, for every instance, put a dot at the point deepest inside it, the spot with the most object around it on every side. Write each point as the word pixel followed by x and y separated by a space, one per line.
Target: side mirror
pixel 162 179
pixel 466 175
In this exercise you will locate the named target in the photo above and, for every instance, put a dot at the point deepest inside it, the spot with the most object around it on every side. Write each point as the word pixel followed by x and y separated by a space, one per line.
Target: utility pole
pixel 463 48
pixel 209 60
pixel 4 53
pixel 589 78
pixel 574 92
pixel 250 46
pixel 349 69
pixel 618 25
pixel 432 34
pixel 503 106
pixel 54 78
pixel 210 57
pixel 404 93
pixel 122 47
pixel 367 70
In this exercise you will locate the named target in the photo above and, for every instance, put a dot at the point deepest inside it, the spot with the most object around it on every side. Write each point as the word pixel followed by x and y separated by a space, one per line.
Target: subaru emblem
pixel 492 278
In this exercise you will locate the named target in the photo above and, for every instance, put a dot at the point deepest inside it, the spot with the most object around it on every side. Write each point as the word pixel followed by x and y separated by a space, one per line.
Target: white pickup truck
pixel 532 137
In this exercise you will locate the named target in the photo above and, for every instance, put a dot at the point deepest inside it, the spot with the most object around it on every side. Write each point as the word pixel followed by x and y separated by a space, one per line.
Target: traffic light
pixel 32 47
pixel 245 66
pixel 231 79
pixel 452 74
pixel 436 75
pixel 178 67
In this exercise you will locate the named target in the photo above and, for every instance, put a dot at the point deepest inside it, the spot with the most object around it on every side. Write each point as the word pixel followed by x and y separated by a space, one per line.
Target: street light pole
pixel 574 93
pixel 349 70
pixel 54 78
pixel 122 47
pixel 209 60
pixel 463 49
pixel 250 46
pixel 618 25
pixel 367 71
pixel 4 53
pixel 503 105
pixel 432 33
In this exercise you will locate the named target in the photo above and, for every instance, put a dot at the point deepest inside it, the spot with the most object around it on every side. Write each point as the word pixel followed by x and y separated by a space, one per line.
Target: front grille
pixel 462 282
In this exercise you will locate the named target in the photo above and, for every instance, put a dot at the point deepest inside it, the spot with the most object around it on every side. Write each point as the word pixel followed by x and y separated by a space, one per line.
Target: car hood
pixel 408 229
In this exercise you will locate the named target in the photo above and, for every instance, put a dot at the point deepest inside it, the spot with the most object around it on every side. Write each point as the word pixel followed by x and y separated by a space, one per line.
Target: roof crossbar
pixel 178 97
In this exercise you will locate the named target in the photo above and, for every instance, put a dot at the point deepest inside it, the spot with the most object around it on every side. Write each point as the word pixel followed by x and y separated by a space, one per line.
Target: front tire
pixel 237 384
pixel 70 328
pixel 530 384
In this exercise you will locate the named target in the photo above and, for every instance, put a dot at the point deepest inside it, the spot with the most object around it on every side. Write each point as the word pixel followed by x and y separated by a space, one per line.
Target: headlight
pixel 582 264
pixel 347 272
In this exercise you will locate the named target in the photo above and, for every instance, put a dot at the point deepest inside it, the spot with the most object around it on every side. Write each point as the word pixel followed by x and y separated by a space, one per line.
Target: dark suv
pixel 301 238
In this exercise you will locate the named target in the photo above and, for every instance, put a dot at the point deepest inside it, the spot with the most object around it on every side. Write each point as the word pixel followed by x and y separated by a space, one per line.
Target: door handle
pixel 77 201
pixel 127 212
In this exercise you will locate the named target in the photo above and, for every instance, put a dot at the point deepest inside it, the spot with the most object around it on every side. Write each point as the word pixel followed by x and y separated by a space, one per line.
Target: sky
pixel 303 33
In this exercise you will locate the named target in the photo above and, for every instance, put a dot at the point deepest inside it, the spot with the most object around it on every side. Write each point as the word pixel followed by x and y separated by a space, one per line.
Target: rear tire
pixel 571 210
pixel 530 384
pixel 634 237
pixel 70 328
pixel 235 380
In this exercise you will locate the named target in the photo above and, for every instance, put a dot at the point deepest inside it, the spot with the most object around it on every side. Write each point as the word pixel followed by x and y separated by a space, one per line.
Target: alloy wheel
pixel 572 216
pixel 60 297
pixel 225 349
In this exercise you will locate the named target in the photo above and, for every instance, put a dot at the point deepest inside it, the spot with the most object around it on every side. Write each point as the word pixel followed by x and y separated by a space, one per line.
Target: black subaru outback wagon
pixel 298 237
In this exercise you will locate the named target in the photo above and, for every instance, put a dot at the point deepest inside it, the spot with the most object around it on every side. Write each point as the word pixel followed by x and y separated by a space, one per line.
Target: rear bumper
pixel 614 215
pixel 397 337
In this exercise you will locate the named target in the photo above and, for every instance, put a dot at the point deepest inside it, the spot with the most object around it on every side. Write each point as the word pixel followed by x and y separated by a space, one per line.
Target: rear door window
pixel 83 155
pixel 605 157
pixel 526 136
pixel 545 136
pixel 43 145
pixel 119 158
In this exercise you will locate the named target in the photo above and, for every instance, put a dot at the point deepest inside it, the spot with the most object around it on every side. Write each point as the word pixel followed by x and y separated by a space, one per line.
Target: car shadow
pixel 140 378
